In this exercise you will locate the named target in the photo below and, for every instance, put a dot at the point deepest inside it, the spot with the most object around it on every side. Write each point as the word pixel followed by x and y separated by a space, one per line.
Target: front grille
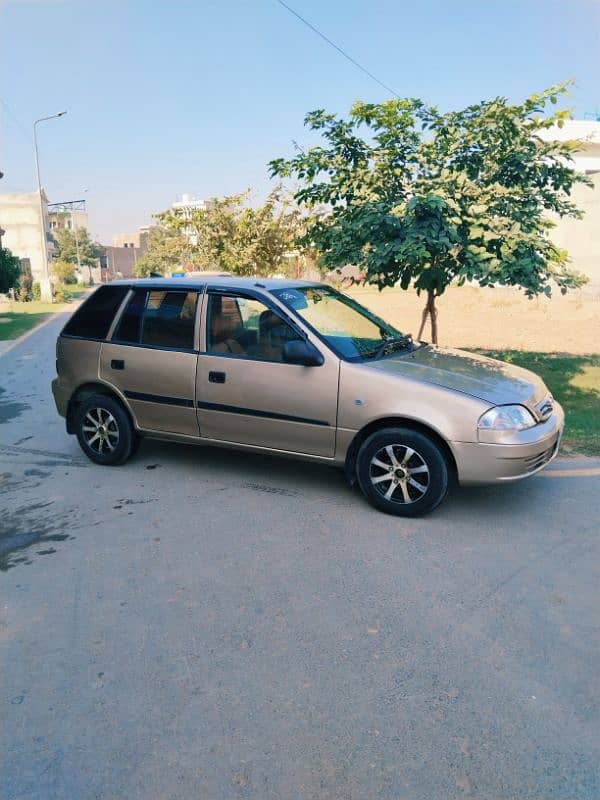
pixel 545 408
pixel 538 460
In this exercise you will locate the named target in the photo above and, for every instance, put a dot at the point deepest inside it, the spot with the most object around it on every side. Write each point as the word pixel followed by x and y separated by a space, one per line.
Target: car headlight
pixel 506 418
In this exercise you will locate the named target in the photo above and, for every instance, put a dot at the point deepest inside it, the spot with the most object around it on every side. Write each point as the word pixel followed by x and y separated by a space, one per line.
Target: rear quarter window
pixel 94 318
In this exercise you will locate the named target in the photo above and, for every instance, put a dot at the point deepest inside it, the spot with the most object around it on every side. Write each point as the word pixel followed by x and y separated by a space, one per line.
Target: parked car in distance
pixel 297 369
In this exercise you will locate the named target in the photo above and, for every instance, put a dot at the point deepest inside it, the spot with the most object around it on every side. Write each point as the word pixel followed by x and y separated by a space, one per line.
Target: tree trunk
pixel 433 319
pixel 429 311
pixel 424 316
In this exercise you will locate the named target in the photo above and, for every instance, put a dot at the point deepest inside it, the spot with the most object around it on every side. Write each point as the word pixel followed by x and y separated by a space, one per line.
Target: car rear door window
pixel 169 319
pixel 94 318
pixel 130 324
pixel 159 318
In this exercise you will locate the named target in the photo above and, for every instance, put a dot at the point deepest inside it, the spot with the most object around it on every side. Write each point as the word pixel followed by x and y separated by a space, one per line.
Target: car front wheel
pixel 402 472
pixel 104 430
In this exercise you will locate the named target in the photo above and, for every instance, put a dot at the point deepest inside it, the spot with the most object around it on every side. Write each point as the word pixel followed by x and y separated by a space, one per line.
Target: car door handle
pixel 216 377
pixel 117 363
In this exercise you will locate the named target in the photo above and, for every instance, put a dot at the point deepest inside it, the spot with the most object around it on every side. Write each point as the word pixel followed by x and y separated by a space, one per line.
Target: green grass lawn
pixel 22 317
pixel 575 383
pixel 76 290
pixel 17 318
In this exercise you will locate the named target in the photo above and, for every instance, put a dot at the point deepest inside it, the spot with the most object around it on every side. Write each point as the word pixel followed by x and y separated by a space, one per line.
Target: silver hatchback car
pixel 297 369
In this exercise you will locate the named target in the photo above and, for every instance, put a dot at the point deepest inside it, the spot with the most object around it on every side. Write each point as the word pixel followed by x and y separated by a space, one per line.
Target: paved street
pixel 212 625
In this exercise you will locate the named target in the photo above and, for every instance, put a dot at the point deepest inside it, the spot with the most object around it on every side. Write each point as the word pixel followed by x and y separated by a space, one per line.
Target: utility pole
pixel 45 285
pixel 70 207
pixel 74 229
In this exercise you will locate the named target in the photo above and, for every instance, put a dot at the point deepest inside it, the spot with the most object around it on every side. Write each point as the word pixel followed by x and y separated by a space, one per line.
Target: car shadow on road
pixel 283 475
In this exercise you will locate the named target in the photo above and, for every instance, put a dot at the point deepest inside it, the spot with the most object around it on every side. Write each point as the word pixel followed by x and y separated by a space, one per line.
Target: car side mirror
pixel 302 352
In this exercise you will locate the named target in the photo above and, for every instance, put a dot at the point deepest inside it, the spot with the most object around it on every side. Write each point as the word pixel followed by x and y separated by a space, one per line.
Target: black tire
pixel 135 443
pixel 407 466
pixel 103 415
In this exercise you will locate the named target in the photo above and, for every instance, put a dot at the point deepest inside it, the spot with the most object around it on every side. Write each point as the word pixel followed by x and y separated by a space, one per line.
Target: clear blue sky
pixel 197 95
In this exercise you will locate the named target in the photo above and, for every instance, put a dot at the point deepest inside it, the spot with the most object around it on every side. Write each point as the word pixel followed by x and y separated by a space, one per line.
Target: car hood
pixel 496 382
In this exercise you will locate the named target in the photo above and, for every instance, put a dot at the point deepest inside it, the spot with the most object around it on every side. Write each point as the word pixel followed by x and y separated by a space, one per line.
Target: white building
pixel 65 219
pixel 187 202
pixel 20 215
pixel 184 205
pixel 581 238
pixel 587 159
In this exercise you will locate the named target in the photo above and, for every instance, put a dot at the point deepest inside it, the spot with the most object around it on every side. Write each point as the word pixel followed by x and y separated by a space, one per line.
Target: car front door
pixel 152 357
pixel 245 391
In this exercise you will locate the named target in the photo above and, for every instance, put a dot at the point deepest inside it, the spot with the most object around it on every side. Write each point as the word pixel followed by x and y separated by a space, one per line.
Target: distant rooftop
pixel 587 159
pixel 188 201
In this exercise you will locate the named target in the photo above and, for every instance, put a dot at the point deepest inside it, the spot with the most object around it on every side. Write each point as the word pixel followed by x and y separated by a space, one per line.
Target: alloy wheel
pixel 399 473
pixel 100 430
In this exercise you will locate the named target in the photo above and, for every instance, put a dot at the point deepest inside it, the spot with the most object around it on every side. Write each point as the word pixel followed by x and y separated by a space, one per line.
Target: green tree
pixel 168 250
pixel 10 270
pixel 66 247
pixel 230 235
pixel 417 197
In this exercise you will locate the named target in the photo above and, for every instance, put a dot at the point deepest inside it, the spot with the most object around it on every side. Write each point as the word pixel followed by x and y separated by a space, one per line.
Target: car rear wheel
pixel 402 472
pixel 104 430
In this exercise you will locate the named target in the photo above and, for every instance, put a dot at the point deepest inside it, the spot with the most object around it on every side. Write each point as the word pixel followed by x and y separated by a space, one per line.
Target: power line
pixel 16 121
pixel 339 49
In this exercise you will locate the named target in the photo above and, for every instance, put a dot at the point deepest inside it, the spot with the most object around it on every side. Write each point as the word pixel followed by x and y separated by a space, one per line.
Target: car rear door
pixel 247 394
pixel 152 356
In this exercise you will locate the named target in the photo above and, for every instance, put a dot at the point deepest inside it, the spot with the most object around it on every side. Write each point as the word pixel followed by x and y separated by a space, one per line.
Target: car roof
pixel 214 279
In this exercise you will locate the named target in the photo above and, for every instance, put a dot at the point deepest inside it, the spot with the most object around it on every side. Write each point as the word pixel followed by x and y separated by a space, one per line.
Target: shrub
pixel 64 271
pixel 10 268
pixel 36 291
pixel 58 293
pixel 25 283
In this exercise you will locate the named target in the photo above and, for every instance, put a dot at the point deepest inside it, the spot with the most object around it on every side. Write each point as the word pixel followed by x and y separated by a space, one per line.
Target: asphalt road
pixel 205 624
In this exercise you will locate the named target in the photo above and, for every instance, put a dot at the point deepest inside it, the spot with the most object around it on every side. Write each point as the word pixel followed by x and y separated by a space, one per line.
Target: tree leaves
pixel 10 270
pixel 416 197
pixel 66 246
pixel 227 235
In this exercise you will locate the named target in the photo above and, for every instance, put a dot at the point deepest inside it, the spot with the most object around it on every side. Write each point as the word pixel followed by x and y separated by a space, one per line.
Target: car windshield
pixel 351 330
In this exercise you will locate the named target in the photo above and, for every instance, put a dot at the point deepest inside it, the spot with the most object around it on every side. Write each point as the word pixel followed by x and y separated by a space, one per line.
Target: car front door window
pixel 245 327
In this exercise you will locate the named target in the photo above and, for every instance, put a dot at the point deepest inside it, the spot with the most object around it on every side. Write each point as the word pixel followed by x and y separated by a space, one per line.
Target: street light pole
pixel 45 285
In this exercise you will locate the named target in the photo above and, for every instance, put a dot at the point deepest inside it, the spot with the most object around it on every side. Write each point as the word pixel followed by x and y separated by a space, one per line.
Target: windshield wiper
pixel 389 345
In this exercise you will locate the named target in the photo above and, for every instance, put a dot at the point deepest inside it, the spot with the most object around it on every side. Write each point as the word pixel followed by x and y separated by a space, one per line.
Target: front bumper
pixel 479 463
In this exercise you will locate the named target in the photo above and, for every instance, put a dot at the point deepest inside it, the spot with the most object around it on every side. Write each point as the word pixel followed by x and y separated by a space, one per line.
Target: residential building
pixel 185 205
pixel 187 202
pixel 60 216
pixel 581 238
pixel 21 220
pixel 137 239
pixel 119 259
